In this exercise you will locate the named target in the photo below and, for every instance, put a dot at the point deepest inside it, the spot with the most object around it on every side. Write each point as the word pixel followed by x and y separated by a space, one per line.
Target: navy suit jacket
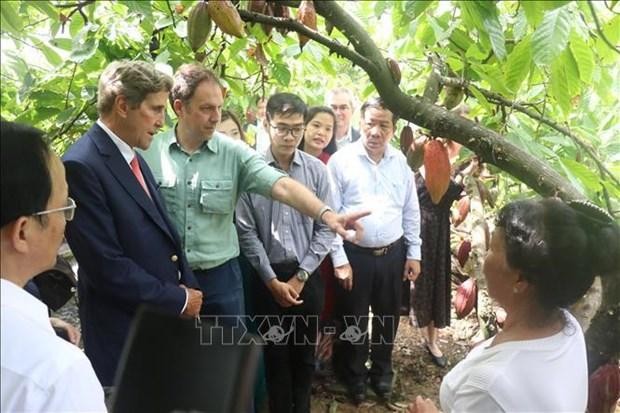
pixel 355 134
pixel 128 250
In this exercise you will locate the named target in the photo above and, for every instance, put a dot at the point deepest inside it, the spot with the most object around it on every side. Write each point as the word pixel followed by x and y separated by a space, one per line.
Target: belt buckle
pixel 380 252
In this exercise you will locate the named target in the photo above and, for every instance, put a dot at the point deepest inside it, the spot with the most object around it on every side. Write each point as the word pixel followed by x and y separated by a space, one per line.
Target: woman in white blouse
pixel 543 257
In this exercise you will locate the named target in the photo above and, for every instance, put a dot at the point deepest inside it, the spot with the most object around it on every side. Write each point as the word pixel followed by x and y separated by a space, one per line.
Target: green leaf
pixel 414 8
pixel 461 39
pixel 583 56
pixel 480 98
pixel 281 73
pixel 83 49
pixel 50 54
pixel 534 9
pixel 559 86
pixel 572 73
pixel 551 37
pixel 577 171
pixel 518 64
pixel 44 7
pixel 9 19
pixel 138 7
pixel 496 35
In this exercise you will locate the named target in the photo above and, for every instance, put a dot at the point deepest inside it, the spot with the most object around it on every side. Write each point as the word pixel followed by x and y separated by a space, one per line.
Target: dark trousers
pixel 290 335
pixel 377 283
pixel 222 289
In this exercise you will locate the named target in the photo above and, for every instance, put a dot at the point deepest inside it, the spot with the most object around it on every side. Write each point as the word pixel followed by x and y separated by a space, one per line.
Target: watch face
pixel 302 275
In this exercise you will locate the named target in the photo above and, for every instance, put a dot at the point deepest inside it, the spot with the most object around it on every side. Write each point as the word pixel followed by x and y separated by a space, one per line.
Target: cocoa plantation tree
pixel 541 78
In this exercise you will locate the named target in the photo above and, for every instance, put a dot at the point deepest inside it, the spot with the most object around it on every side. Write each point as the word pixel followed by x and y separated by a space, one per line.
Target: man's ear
pixel 121 105
pixel 19 233
pixel 177 106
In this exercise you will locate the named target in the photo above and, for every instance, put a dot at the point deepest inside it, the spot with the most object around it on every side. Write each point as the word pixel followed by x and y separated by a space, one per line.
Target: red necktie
pixel 135 168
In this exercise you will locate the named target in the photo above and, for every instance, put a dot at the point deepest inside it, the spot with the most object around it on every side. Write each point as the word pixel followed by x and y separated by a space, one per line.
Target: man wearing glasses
pixel 201 175
pixel 40 371
pixel 341 101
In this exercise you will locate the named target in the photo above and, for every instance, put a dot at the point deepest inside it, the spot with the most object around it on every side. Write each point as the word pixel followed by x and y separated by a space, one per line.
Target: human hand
pixel 72 332
pixel 284 293
pixel 344 275
pixel 412 270
pixel 296 284
pixel 421 405
pixel 346 225
pixel 194 302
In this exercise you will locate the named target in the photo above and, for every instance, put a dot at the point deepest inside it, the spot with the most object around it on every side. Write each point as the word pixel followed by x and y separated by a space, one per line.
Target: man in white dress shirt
pixel 40 371
pixel 371 174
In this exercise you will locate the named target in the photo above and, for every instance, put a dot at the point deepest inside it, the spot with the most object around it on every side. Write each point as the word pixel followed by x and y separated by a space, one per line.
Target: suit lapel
pixel 122 172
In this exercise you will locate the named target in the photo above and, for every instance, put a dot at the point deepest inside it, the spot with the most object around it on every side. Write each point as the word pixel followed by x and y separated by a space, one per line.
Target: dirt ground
pixel 415 372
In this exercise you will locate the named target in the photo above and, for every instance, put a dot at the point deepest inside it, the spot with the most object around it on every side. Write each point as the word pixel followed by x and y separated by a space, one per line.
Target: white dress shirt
pixel 40 371
pixel 386 188
pixel 542 375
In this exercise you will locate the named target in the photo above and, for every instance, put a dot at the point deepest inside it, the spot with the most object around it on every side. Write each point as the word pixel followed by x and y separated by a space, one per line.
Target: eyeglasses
pixel 336 108
pixel 282 131
pixel 69 210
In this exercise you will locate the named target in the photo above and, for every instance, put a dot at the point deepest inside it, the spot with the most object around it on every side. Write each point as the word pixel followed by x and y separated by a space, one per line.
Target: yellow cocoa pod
pixel 198 25
pixel 226 17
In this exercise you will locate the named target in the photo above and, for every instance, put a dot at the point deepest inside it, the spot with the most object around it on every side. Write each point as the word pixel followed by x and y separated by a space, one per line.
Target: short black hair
pixel 285 104
pixel 377 103
pixel 26 183
pixel 331 147
pixel 557 248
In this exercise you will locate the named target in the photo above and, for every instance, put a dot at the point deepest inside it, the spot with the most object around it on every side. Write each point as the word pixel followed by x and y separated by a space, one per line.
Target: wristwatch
pixel 302 275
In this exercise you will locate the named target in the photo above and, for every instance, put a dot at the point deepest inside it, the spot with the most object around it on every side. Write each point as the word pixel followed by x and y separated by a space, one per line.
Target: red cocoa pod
pixel 463 210
pixel 465 298
pixel 406 139
pixel 437 167
pixel 307 16
pixel 462 254
pixel 604 388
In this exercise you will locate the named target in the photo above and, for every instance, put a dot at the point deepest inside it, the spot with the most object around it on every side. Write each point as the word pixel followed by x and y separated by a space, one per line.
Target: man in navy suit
pixel 128 251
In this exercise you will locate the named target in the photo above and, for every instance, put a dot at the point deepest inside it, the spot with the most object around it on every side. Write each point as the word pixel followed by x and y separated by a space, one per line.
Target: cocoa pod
pixel 306 14
pixel 406 139
pixel 269 12
pixel 454 148
pixel 462 254
pixel 394 69
pixel 415 155
pixel 454 96
pixel 198 25
pixel 437 167
pixel 463 207
pixel 465 298
pixel 262 7
pixel 604 388
pixel 280 10
pixel 226 17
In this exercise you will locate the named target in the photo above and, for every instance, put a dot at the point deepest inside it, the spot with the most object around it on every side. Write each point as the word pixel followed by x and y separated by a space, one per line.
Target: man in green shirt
pixel 201 174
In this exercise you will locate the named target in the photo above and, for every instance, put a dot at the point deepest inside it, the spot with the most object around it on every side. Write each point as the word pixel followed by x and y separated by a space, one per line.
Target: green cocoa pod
pixel 198 25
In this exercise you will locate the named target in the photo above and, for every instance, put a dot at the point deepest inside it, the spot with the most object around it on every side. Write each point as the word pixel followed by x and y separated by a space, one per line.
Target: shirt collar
pixel 15 297
pixel 346 138
pixel 272 161
pixel 359 148
pixel 212 144
pixel 126 150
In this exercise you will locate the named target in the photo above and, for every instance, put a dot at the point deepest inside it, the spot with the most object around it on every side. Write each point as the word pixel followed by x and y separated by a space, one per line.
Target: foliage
pixel 547 55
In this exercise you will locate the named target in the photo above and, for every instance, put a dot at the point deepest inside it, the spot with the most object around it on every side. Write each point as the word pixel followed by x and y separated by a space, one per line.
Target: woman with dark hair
pixel 320 124
pixel 543 257
pixel 230 126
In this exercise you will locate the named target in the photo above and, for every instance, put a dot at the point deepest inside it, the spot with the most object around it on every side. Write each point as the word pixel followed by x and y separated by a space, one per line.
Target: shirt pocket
pixel 168 190
pixel 216 196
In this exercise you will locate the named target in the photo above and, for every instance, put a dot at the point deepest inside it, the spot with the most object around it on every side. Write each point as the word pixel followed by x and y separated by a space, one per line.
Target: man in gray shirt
pixel 286 248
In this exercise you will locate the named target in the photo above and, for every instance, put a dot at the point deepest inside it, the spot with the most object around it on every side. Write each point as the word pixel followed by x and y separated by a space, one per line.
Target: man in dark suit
pixel 342 102
pixel 128 251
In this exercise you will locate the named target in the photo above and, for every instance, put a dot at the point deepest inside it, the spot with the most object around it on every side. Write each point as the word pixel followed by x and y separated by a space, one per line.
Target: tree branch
pixel 497 98
pixel 599 30
pixel 294 25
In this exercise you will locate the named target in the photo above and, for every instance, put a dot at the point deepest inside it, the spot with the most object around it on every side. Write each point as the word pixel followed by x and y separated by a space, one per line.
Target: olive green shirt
pixel 201 191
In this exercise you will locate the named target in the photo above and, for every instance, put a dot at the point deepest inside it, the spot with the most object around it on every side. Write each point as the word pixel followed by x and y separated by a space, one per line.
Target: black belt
pixel 375 251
